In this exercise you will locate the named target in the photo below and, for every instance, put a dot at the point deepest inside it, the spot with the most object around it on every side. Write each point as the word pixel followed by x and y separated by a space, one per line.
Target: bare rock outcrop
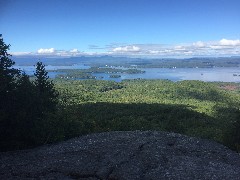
pixel 124 155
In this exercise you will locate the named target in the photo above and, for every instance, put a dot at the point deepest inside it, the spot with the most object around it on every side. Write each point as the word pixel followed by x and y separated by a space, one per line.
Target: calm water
pixel 203 74
pixel 31 69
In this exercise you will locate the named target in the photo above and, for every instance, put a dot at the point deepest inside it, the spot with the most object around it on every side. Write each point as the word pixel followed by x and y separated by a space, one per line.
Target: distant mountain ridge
pixel 96 61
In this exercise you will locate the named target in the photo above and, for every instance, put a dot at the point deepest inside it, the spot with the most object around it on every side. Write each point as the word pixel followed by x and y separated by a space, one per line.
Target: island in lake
pixel 88 73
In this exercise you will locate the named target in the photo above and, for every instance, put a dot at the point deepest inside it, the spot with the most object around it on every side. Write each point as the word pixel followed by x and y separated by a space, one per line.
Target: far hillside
pixel 96 61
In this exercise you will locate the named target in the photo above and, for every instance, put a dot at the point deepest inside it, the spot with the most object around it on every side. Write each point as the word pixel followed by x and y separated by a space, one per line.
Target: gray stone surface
pixel 124 155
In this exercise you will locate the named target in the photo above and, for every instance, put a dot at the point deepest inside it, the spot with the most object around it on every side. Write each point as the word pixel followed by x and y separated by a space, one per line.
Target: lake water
pixel 178 74
pixel 204 74
pixel 31 69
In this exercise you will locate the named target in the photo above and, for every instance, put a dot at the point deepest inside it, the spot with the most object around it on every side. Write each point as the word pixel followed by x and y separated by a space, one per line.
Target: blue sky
pixel 125 27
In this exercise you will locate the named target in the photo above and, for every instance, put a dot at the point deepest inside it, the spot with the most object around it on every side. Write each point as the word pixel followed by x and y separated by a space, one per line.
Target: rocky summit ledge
pixel 124 155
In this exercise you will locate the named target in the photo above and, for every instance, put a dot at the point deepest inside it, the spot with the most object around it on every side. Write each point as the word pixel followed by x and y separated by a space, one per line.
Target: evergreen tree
pixel 46 93
pixel 45 107
pixel 7 77
pixel 26 101
pixel 9 99
pixel 6 70
pixel 27 109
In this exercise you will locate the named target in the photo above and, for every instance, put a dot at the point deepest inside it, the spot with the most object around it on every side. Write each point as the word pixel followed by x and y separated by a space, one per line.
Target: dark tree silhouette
pixel 7 76
pixel 46 93
pixel 27 109
pixel 8 98
pixel 45 106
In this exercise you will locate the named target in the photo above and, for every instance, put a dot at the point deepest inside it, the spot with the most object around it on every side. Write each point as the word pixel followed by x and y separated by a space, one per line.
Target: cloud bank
pixel 46 51
pixel 225 42
pixel 126 49
pixel 223 47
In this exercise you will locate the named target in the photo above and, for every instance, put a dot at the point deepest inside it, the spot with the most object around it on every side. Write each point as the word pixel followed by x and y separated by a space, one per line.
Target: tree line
pixel 26 106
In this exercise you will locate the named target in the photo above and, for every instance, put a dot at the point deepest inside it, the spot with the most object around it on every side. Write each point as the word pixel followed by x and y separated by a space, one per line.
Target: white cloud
pixel 199 44
pixel 223 47
pixel 20 53
pixel 126 49
pixel 153 52
pixel 218 47
pixel 46 51
pixel 74 51
pixel 226 42
pixel 179 48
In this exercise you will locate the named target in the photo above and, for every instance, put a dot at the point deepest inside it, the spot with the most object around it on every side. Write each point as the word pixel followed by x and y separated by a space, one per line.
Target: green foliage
pixel 193 108
pixel 27 109
pixel 87 73
pixel 235 132
pixel 45 91
pixel 42 118
pixel 7 78
pixel 8 89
